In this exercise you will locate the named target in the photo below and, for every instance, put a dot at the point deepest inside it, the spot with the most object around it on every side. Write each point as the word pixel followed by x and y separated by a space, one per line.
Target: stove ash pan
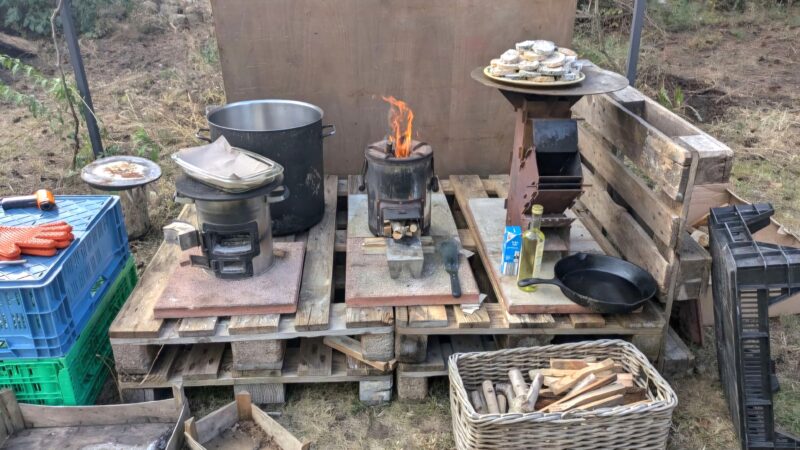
pixel 399 189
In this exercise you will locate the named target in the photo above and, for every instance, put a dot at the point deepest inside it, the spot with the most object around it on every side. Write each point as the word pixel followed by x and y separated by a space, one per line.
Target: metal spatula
pixel 449 251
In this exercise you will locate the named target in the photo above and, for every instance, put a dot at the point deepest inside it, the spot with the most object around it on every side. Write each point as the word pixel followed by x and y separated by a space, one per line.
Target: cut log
pixel 533 392
pixel 571 364
pixel 585 382
pixel 518 382
pixel 614 400
pixel 502 403
pixel 478 402
pixel 490 397
pixel 18 45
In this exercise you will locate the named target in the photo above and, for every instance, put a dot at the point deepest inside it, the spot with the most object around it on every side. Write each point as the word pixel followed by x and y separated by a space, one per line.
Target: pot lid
pixel 117 173
pixel 188 187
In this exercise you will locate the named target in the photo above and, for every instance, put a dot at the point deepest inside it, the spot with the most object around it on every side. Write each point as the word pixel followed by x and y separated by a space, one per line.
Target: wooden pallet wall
pixel 642 163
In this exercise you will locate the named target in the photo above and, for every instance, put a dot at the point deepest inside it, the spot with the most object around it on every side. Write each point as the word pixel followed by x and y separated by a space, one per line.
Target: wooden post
pixel 243 405
pixel 135 210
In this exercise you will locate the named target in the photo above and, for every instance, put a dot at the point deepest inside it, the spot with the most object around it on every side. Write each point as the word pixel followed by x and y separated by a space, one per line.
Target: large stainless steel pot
pixel 290 133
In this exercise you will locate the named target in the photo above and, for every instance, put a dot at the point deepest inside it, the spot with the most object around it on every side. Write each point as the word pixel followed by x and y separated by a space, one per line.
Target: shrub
pixel 92 17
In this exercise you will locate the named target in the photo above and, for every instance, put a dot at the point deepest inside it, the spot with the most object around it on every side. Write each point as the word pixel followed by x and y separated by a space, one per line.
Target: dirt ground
pixel 737 76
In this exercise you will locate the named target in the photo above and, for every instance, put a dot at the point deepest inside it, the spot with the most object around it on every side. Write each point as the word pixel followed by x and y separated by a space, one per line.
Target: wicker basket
pixel 619 427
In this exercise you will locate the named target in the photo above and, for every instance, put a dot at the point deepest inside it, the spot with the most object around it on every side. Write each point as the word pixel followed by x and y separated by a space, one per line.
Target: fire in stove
pixel 398 175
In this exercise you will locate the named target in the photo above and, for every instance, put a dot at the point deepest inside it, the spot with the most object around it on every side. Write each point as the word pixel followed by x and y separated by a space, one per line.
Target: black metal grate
pixel 748 277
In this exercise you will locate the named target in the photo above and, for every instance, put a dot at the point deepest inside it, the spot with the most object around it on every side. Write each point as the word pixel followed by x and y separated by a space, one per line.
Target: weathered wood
pixel 18 45
pixel 141 435
pixel 478 402
pixel 478 319
pixel 282 437
pixel 263 393
pixel 243 405
pixel 203 361
pixel 410 349
pixel 600 382
pixel 589 397
pixel 254 324
pixel 461 117
pixel 573 364
pixel 378 347
pixel 135 319
pixel 490 396
pixel 568 382
pixel 313 306
pixel 662 159
pixel 216 422
pixel 427 316
pixel 197 326
pixel 627 235
pixel 587 320
pixel 352 348
pixel 36 416
pixel 258 354
pixel 658 215
pixel 370 317
pixel 315 357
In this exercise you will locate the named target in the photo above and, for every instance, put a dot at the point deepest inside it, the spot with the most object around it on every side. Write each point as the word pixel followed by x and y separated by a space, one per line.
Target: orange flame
pixel 401 123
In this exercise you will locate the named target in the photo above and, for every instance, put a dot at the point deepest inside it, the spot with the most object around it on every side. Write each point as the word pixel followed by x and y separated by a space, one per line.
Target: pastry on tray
pixel 537 61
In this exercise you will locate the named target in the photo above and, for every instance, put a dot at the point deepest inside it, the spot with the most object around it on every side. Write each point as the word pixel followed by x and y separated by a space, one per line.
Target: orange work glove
pixel 39 240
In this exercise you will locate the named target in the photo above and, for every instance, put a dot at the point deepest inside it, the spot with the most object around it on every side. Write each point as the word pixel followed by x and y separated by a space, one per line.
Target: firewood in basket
pixel 515 401
pixel 491 397
pixel 477 402
pixel 568 382
pixel 518 382
pixel 614 400
pixel 583 383
pixel 533 391
pixel 571 364
pixel 502 403
pixel 600 382
pixel 590 397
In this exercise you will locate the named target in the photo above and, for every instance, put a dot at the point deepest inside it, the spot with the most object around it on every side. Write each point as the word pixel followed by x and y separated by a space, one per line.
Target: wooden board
pixel 142 435
pixel 313 307
pixel 336 54
pixel 368 282
pixel 367 275
pixel 197 326
pixel 489 216
pixel 315 357
pixel 203 361
pixel 192 292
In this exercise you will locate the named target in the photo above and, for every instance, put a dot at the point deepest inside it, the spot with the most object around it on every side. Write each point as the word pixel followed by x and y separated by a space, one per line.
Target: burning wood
pixel 401 124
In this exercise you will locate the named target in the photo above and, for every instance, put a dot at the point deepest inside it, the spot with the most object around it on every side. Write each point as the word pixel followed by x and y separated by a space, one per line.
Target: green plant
pixel 209 52
pixel 145 146
pixel 92 17
pixel 676 102
pixel 52 87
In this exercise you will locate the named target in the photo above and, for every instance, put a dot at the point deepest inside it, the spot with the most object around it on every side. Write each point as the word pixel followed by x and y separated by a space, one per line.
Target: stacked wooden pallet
pixel 258 353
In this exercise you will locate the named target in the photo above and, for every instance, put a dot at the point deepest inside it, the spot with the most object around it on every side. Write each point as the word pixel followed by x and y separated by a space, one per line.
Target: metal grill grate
pixel 747 277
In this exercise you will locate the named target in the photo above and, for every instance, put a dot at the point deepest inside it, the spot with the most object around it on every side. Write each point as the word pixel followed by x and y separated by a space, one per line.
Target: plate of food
pixel 536 63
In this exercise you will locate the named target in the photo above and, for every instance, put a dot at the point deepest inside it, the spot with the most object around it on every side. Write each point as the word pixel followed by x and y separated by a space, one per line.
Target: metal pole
pixel 639 7
pixel 75 59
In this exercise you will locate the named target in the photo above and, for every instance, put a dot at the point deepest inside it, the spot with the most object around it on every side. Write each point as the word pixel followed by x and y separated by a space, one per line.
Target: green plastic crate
pixel 75 379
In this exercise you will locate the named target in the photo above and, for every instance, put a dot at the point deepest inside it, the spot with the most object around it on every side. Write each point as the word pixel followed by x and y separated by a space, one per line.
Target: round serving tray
pixel 117 173
pixel 529 83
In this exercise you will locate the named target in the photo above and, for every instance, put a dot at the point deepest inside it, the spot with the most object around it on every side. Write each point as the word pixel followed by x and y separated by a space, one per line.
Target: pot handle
pixel 531 281
pixel 198 135
pixel 329 133
pixel 283 192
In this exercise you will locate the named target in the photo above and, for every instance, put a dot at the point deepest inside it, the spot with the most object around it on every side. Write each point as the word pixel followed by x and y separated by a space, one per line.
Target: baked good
pixel 545 48
pixel 510 56
pixel 524 45
pixel 529 55
pixel 530 66
pixel 567 51
pixel 544 79
pixel 529 74
pixel 514 76
pixel 557 59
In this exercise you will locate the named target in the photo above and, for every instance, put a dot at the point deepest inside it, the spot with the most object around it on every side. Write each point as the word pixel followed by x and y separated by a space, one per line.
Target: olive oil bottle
pixel 530 258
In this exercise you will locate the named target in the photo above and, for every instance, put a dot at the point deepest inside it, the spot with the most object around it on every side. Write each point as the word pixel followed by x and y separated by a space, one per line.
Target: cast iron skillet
pixel 601 283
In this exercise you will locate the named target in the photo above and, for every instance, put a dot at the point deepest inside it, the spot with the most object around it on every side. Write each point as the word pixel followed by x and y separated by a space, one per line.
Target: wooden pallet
pixel 248 351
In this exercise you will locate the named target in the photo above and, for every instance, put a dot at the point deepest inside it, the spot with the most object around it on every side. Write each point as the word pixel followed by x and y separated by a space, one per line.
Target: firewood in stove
pixel 477 402
pixel 398 230
pixel 502 403
pixel 413 227
pixel 491 397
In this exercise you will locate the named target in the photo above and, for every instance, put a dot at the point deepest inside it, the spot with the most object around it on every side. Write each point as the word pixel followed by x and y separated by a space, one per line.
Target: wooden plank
pixel 162 369
pixel 467 241
pixel 135 319
pixel 11 410
pixel 478 319
pixel 315 358
pixel 254 324
pixel 370 317
pixel 461 117
pixel 656 214
pixel 286 330
pixel 357 368
pixel 203 361
pixel 427 316
pixel 658 156
pixel 37 416
pixel 197 326
pixel 279 435
pixel 628 236
pixel 435 363
pixel 132 436
pixel 313 306
pixel 587 320
pixel 352 348
pixel 215 423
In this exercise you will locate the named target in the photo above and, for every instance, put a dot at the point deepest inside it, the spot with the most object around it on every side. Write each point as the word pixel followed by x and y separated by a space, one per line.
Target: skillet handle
pixel 531 281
